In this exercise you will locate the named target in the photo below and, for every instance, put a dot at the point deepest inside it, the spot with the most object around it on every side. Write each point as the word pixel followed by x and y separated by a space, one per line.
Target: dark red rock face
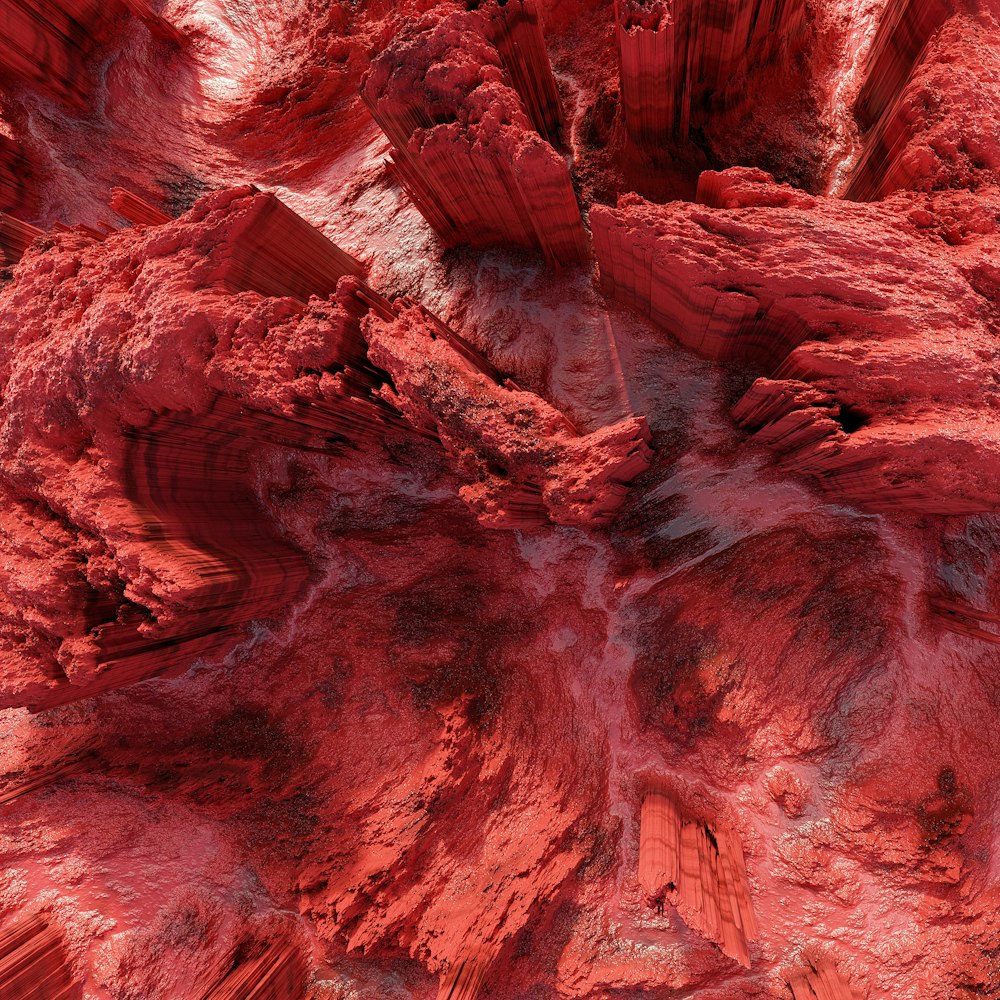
pixel 499 500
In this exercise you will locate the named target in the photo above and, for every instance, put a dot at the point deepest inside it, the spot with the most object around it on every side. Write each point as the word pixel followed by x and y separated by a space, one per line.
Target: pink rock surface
pixel 839 349
pixel 464 147
pixel 356 587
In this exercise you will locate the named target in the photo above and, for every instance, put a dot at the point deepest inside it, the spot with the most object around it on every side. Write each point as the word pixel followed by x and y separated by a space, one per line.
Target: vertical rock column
pixel 515 29
pixel 464 147
pixel 680 58
pixel 700 870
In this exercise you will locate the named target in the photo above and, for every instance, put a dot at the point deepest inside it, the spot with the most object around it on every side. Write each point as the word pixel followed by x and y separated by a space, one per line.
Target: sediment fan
pixel 498 499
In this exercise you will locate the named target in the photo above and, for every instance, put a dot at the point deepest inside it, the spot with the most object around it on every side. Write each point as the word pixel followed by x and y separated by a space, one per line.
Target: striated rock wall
pixel 682 58
pixel 515 30
pixel 929 101
pixel 463 145
pixel 55 45
pixel 15 176
pixel 700 870
pixel 33 961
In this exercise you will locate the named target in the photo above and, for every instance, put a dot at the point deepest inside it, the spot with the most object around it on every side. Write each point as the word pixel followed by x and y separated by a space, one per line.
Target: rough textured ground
pixel 342 634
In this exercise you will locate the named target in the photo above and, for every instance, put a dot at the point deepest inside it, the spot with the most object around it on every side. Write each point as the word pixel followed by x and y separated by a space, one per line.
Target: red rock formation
pixel 700 870
pixel 960 617
pixel 736 284
pixel 175 506
pixel 33 962
pixel 463 146
pixel 15 170
pixel 904 32
pixel 54 44
pixel 15 237
pixel 273 251
pixel 464 980
pixel 389 748
pixel 277 973
pixel 526 463
pixel 77 762
pixel 139 212
pixel 515 30
pixel 157 24
pixel 820 981
pixel 679 58
pixel 931 89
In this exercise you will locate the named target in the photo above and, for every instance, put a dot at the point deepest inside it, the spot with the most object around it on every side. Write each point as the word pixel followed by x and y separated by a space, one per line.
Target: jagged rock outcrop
pixel 526 462
pixel 463 146
pixel 194 355
pixel 682 58
pixel 929 101
pixel 346 740
pixel 839 350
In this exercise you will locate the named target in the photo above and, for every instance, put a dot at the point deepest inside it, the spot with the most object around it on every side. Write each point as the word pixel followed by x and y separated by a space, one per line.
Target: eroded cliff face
pixel 499 500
